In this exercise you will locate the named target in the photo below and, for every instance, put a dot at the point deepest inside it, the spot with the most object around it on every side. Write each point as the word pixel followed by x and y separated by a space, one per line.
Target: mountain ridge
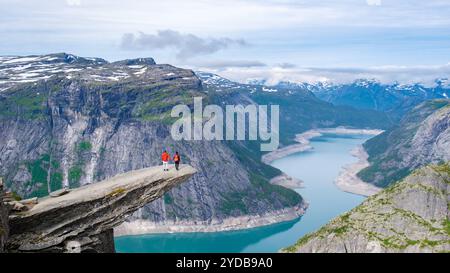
pixel 412 215
pixel 422 137
pixel 370 94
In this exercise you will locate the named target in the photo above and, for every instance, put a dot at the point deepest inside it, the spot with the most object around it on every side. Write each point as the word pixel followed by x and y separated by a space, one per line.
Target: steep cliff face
pixel 410 216
pixel 422 137
pixel 75 121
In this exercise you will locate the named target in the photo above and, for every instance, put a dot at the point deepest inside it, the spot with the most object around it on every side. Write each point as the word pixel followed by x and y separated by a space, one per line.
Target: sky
pixel 402 41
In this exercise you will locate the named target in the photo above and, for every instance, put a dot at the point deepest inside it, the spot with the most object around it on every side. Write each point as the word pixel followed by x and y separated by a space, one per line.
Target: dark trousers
pixel 177 165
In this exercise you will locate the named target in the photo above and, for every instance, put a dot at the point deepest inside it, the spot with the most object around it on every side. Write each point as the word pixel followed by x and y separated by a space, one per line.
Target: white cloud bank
pixel 425 75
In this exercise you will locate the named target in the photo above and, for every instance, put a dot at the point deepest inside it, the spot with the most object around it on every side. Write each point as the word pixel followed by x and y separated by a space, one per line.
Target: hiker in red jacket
pixel 165 159
pixel 177 159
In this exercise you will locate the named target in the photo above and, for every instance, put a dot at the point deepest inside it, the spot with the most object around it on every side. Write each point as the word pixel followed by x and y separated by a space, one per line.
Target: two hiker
pixel 165 157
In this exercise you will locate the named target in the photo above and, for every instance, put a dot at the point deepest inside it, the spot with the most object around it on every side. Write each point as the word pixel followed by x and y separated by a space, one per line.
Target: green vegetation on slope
pixel 75 174
pixel 84 146
pixel 39 170
pixel 247 152
pixel 303 111
pixel 27 102
pixel 387 150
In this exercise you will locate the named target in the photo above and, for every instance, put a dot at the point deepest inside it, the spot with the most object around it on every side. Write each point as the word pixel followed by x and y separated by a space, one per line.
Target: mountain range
pixel 396 99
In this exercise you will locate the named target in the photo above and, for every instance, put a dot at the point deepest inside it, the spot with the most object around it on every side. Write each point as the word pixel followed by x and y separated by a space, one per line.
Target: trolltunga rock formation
pixel 84 218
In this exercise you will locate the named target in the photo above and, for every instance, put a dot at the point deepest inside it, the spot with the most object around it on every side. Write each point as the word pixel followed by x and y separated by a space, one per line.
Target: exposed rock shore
pixel 348 180
pixel 287 181
pixel 232 223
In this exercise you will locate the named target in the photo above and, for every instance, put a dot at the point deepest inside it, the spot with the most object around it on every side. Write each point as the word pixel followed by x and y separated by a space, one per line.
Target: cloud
pixel 373 2
pixel 73 2
pixel 224 64
pixel 186 45
pixel 306 32
pixel 286 65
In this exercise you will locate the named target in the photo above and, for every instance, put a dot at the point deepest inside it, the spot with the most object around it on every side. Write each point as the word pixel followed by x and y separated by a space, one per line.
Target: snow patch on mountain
pixel 16 70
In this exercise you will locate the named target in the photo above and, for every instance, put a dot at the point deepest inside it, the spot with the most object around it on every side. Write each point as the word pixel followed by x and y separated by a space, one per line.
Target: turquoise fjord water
pixel 317 168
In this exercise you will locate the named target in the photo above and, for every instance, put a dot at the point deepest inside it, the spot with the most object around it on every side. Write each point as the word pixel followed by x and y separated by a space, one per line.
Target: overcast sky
pixel 303 40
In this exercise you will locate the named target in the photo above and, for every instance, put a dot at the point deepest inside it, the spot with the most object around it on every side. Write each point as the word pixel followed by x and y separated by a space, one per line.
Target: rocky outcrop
pixel 421 138
pixel 410 216
pixel 83 219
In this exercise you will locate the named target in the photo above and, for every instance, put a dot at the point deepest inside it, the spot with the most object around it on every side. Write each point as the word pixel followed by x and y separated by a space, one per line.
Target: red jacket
pixel 165 156
pixel 176 158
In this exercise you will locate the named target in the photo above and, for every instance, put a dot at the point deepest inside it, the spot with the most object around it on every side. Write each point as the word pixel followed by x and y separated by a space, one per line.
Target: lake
pixel 317 168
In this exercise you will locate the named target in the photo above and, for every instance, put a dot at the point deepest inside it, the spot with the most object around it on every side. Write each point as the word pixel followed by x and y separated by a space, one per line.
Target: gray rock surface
pixel 410 216
pixel 86 216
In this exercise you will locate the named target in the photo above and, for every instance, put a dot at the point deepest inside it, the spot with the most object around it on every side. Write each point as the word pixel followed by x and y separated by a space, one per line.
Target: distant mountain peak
pixel 137 61
pixel 16 70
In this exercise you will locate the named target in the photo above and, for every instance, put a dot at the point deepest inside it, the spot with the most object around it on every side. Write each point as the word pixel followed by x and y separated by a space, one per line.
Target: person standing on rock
pixel 177 159
pixel 165 160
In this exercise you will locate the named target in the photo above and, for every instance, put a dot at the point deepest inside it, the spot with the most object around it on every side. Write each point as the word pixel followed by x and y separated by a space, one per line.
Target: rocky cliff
pixel 82 220
pixel 422 137
pixel 410 216
pixel 72 121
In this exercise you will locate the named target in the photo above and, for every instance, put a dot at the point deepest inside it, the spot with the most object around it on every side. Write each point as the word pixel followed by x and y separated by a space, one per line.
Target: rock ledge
pixel 83 219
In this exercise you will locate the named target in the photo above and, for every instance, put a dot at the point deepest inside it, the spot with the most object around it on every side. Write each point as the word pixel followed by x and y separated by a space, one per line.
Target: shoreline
pixel 287 181
pixel 348 180
pixel 304 144
pixel 142 227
